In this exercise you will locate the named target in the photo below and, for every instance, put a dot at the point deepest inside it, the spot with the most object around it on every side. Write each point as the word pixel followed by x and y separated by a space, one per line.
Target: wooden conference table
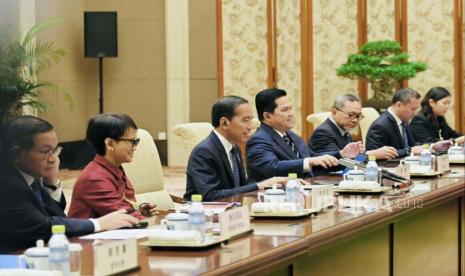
pixel 418 233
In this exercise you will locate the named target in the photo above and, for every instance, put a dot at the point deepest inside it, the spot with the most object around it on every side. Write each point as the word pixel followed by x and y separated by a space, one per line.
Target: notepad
pixel 11 261
pixel 121 234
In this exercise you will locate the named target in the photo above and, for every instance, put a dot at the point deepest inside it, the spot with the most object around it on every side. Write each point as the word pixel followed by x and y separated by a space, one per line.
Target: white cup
pixel 355 175
pixel 176 221
pixel 272 196
pixel 35 257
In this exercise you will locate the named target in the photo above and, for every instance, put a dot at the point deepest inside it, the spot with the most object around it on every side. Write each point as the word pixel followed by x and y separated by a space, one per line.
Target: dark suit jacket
pixel 209 172
pixel 24 220
pixel 385 132
pixel 327 139
pixel 268 155
pixel 425 131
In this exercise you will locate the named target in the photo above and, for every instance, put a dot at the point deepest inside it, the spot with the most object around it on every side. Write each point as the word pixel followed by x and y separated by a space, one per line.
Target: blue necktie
pixel 234 159
pixel 404 134
pixel 36 188
pixel 291 144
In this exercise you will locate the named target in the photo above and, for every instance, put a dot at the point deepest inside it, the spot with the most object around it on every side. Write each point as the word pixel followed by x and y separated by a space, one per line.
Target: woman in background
pixel 102 187
pixel 429 125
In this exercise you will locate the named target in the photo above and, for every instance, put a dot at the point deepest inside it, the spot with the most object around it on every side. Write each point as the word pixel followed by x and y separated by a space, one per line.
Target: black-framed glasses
pixel 134 142
pixel 47 153
pixel 352 116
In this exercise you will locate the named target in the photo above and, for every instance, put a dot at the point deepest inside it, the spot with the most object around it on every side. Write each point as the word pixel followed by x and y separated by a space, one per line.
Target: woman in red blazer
pixel 102 187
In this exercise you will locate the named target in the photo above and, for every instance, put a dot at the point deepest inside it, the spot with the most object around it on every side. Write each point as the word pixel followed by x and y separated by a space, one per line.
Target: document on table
pixel 121 234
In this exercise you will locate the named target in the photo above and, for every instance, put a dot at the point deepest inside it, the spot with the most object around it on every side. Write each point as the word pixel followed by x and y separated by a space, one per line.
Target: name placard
pixel 115 257
pixel 235 221
pixel 442 163
pixel 322 196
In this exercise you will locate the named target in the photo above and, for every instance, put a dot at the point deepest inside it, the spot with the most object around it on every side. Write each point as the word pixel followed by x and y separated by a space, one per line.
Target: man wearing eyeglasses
pixel 333 135
pixel 32 199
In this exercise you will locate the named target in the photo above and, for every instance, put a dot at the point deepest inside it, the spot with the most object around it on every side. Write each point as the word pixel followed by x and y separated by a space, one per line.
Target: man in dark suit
pixel 215 167
pixel 274 150
pixel 392 127
pixel 333 136
pixel 32 199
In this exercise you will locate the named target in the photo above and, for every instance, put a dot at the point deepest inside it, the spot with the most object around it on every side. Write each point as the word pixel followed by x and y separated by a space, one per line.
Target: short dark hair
pixel 404 95
pixel 225 107
pixel 265 100
pixel 107 125
pixel 20 132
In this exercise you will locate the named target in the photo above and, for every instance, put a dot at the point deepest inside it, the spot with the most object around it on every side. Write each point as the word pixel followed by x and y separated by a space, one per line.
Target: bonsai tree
pixel 383 65
pixel 20 63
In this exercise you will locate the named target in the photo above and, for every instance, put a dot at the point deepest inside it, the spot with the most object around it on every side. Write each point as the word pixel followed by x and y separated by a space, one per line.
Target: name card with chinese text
pixel 115 257
pixel 235 221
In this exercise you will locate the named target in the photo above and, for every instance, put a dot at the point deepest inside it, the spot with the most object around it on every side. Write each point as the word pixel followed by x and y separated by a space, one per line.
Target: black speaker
pixel 100 34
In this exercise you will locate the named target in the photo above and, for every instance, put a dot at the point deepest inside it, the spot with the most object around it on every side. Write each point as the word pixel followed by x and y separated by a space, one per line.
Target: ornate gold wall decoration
pixel 431 40
pixel 334 38
pixel 288 53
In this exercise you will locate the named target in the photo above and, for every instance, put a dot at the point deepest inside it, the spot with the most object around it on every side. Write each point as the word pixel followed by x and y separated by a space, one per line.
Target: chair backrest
pixel 370 115
pixel 317 119
pixel 145 170
pixel 146 173
pixel 192 134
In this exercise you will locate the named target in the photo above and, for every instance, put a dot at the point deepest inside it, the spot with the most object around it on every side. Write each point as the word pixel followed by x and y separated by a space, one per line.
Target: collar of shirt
pixel 398 120
pixel 279 132
pixel 118 172
pixel 226 145
pixel 341 130
pixel 28 178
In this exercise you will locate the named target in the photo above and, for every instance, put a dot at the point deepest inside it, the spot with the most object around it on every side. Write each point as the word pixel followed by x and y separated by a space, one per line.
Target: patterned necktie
pixel 291 144
pixel 404 134
pixel 347 138
pixel 36 189
pixel 234 159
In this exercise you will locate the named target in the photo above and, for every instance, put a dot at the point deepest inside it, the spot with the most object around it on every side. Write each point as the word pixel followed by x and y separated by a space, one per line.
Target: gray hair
pixel 340 101
pixel 404 95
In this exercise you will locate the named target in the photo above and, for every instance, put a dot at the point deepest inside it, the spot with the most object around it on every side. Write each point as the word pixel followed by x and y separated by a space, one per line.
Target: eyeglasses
pixel 55 152
pixel 352 116
pixel 134 141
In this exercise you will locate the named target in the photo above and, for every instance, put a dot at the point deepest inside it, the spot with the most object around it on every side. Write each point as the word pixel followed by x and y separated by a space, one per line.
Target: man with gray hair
pixel 333 136
pixel 392 127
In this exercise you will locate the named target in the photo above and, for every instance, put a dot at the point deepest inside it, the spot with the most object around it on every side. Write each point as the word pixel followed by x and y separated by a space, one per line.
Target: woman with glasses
pixel 430 125
pixel 102 187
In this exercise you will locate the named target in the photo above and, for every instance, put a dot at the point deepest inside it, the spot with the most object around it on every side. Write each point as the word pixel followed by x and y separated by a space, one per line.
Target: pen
pixel 130 210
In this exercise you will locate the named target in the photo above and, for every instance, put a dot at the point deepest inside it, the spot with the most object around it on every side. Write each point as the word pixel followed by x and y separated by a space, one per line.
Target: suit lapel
pixel 224 158
pixel 396 128
pixel 279 141
pixel 336 133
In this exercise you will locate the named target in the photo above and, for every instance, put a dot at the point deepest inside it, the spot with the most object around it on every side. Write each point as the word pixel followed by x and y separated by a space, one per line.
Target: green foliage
pixel 20 63
pixel 382 64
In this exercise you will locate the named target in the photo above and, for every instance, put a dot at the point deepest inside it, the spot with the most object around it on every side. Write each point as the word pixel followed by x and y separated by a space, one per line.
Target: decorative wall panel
pixel 380 23
pixel 431 40
pixel 288 53
pixel 334 38
pixel 244 47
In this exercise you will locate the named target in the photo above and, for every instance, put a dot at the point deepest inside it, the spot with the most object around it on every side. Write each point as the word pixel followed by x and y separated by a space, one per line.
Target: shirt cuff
pixel 96 225
pixel 54 194
pixel 306 165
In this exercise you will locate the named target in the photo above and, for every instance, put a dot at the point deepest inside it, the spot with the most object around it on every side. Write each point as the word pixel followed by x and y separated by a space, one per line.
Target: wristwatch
pixel 407 150
pixel 54 187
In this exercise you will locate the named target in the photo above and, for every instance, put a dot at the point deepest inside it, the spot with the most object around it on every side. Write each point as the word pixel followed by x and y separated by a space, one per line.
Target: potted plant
pixel 20 63
pixel 383 65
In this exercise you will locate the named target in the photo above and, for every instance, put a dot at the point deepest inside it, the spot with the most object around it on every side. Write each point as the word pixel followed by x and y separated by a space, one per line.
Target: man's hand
pixel 351 150
pixel 416 150
pixel 460 140
pixel 148 209
pixel 116 219
pixel 383 153
pixel 51 178
pixel 325 161
pixel 277 180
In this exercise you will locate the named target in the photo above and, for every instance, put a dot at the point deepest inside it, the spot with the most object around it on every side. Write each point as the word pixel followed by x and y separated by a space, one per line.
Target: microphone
pixel 385 173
